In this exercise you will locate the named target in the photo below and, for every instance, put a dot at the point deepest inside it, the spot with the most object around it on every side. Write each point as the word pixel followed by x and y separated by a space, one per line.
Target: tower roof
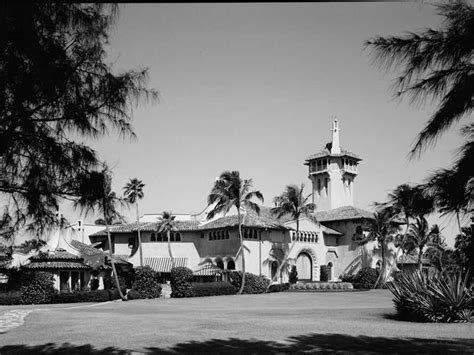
pixel 333 149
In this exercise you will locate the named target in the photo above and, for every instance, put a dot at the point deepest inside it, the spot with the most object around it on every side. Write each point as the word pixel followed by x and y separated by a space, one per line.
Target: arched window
pixel 255 234
pixel 158 237
pixel 231 265
pixel 220 264
pixel 153 237
pixel 330 271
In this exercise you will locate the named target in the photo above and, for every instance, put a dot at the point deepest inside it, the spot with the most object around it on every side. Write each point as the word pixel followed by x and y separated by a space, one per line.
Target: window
pixel 319 187
pixel 158 237
pixel 171 237
pixel 153 237
pixel 226 234
pixel 326 186
pixel 131 242
pixel 255 234
pixel 178 237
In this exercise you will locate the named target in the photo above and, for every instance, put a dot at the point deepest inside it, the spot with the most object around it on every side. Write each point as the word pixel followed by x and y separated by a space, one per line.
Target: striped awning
pixel 164 264
pixel 208 270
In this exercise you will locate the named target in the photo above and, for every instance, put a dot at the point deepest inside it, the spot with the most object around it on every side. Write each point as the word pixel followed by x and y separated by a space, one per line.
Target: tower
pixel 332 172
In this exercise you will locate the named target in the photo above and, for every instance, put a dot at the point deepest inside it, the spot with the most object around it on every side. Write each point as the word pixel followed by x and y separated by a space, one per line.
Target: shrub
pixel 94 284
pixel 10 298
pixel 134 295
pixel 180 282
pixel 367 277
pixel 213 289
pixel 146 282
pixel 82 296
pixel 253 283
pixel 114 294
pixel 279 287
pixel 433 298
pixel 293 277
pixel 37 287
pixel 324 275
pixel 109 282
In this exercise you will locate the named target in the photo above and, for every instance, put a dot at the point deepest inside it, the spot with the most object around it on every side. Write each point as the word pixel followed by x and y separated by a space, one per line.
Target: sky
pixel 253 87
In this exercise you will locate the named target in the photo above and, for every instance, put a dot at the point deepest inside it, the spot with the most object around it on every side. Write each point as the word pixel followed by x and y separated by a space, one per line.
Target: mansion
pixel 208 247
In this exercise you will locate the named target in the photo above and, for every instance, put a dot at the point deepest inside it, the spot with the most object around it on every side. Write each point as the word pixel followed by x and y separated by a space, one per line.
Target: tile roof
pixel 264 220
pixel 146 227
pixel 56 265
pixel 326 152
pixel 342 213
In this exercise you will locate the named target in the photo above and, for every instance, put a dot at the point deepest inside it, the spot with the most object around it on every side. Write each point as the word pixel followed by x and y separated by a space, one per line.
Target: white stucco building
pixel 327 239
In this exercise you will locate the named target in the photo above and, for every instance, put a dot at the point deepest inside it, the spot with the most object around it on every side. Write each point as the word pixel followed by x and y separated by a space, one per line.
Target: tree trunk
pixel 169 249
pixel 381 277
pixel 420 264
pixel 139 237
pixel 117 282
pixel 242 250
pixel 402 243
pixel 459 222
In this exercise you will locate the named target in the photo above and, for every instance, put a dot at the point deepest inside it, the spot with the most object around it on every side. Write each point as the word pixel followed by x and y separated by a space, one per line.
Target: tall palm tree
pixel 134 192
pixel 382 228
pixel 435 64
pixel 97 194
pixel 229 191
pixel 449 192
pixel 166 223
pixel 420 235
pixel 292 202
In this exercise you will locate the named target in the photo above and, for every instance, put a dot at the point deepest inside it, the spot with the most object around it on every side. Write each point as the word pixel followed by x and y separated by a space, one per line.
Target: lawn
pixel 271 323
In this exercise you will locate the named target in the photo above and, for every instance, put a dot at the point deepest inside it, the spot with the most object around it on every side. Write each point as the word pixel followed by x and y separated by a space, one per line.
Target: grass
pixel 270 323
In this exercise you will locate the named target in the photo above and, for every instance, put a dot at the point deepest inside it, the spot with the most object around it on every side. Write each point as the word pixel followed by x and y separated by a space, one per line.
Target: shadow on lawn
pixel 323 343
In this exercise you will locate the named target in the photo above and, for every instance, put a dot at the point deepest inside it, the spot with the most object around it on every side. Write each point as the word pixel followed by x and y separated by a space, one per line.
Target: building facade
pixel 328 238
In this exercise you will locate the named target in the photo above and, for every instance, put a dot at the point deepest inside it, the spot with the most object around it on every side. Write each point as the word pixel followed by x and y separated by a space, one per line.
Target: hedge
pixel 253 283
pixel 10 298
pixel 322 286
pixel 219 288
pixel 37 287
pixel 85 296
pixel 180 282
pixel 279 287
pixel 146 283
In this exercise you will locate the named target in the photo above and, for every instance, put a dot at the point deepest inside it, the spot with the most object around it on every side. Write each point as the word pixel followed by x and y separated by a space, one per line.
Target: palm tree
pixel 449 192
pixel 292 202
pixel 229 191
pixel 382 228
pixel 420 235
pixel 134 192
pixel 435 64
pixel 97 194
pixel 166 223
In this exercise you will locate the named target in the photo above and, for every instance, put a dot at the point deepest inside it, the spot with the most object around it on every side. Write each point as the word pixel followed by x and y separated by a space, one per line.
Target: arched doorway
pixel 304 267
pixel 330 271
pixel 230 265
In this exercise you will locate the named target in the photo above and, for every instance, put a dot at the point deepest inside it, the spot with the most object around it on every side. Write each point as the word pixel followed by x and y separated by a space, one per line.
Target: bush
pixel 114 294
pixel 293 277
pixel 433 298
pixel 146 282
pixel 279 287
pixel 213 289
pixel 37 287
pixel 10 298
pixel 180 282
pixel 367 277
pixel 253 283
pixel 82 296
pixel 109 283
pixel 324 275
pixel 94 284
pixel 134 295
